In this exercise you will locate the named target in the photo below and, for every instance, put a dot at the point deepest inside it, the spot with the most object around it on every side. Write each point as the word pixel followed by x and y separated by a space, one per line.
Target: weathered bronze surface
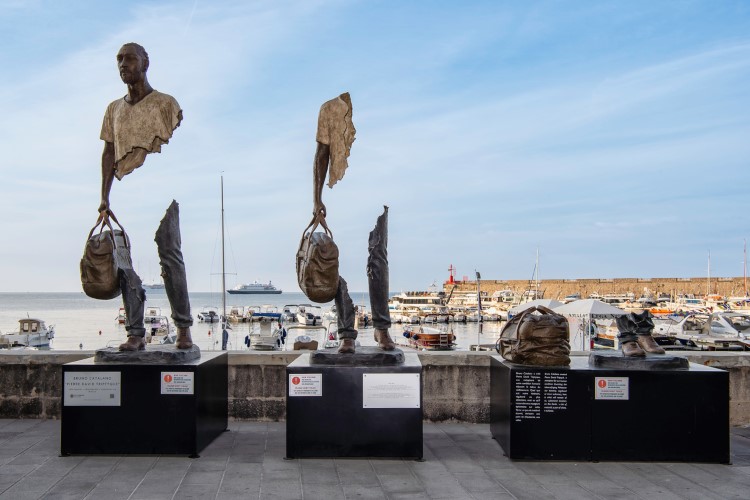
pixel 616 360
pixel 335 137
pixel 134 126
pixel 153 354
pixel 365 356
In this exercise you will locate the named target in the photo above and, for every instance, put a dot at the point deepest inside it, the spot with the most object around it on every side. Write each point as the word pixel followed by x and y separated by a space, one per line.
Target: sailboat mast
pixel 536 292
pixel 223 270
pixel 708 285
pixel 744 264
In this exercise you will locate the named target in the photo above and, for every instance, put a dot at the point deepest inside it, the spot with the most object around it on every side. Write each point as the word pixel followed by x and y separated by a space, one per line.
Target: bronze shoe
pixel 384 340
pixel 648 344
pixel 346 346
pixel 184 340
pixel 632 349
pixel 134 343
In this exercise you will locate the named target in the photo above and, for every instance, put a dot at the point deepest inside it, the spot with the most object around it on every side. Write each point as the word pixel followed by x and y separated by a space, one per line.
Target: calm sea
pixel 84 323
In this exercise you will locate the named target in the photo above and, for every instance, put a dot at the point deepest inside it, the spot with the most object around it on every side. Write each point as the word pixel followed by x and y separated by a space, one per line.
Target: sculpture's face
pixel 131 65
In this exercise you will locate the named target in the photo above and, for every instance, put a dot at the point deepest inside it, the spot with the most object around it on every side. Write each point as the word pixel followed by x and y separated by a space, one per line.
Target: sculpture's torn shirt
pixel 336 129
pixel 139 129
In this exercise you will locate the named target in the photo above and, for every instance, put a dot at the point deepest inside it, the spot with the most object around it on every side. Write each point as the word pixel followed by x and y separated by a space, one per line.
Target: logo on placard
pixel 295 380
pixel 167 378
pixel 602 383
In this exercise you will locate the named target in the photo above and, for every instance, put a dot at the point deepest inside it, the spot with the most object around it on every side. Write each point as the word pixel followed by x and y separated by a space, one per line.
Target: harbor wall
pixel 456 385
pixel 559 288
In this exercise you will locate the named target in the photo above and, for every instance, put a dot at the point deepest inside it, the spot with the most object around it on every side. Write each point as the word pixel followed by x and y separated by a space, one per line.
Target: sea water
pixel 84 323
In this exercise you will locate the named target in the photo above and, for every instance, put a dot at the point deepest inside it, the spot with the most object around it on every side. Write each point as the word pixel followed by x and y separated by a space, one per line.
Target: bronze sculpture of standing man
pixel 134 126
pixel 335 137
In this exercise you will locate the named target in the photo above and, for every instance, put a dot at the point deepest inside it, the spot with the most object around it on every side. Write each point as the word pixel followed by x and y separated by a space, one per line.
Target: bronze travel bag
pixel 104 255
pixel 318 262
pixel 535 339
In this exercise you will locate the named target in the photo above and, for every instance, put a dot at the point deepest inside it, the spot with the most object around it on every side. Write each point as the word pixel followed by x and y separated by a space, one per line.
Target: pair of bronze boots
pixel 137 343
pixel 382 337
pixel 642 345
pixel 635 335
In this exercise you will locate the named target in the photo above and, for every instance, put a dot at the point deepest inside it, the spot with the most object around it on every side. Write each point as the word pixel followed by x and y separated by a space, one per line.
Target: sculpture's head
pixel 132 63
pixel 335 128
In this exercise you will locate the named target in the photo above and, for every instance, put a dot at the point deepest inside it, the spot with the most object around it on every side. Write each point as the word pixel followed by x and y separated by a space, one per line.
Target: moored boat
pixel 430 339
pixel 266 311
pixel 267 335
pixel 699 331
pixel 32 332
pixel 208 314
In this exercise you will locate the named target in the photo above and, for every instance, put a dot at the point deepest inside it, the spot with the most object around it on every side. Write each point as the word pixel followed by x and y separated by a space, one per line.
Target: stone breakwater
pixel 559 288
pixel 456 385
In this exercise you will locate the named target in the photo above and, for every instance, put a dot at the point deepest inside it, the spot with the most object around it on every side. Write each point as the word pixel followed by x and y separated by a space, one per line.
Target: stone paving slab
pixel 462 461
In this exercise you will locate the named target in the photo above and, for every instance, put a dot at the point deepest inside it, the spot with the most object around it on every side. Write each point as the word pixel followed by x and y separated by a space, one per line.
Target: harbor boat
pixel 152 315
pixel 160 331
pixel 266 311
pixel 424 300
pixel 430 339
pixel 308 315
pixel 121 316
pixel 254 288
pixel 153 286
pixel 289 313
pixel 409 315
pixel 459 316
pixel 571 298
pixel 688 304
pixel 266 336
pixel 699 331
pixel 331 314
pixel 238 314
pixel 32 332
pixel 739 304
pixel 208 314
pixel 732 324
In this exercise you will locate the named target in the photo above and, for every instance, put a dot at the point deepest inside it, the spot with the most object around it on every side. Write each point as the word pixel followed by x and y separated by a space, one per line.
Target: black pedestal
pixel 354 411
pixel 585 413
pixel 140 408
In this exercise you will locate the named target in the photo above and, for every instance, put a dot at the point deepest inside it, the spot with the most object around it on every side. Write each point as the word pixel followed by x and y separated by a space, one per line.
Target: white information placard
pixel 390 390
pixel 177 383
pixel 92 389
pixel 306 384
pixel 617 388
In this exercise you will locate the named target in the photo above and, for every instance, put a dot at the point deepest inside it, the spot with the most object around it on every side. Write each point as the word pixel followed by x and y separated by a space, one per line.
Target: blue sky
pixel 612 136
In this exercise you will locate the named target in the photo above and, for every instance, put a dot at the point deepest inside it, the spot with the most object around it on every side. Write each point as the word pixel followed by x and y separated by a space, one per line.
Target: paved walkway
pixel 462 461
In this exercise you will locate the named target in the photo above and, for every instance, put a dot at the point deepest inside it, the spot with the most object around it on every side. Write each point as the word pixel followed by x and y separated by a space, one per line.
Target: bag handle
pixel 318 219
pixel 104 221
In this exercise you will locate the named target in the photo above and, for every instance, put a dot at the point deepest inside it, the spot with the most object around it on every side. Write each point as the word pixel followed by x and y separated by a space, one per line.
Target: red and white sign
pixel 177 383
pixel 612 388
pixel 306 384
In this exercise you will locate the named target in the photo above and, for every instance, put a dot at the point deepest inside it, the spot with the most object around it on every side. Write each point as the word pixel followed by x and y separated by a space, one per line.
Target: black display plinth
pixel 354 411
pixel 587 413
pixel 143 408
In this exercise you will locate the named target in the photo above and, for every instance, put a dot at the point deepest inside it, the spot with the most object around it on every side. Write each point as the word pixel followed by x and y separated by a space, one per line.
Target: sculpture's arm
pixel 108 174
pixel 320 169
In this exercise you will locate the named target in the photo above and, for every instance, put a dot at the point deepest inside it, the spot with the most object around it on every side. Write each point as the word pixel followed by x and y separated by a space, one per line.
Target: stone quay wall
pixel 456 385
pixel 559 288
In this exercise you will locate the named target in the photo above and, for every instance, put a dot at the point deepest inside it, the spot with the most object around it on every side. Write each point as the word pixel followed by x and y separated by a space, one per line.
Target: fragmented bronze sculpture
pixel 334 137
pixel 134 126
pixel 635 335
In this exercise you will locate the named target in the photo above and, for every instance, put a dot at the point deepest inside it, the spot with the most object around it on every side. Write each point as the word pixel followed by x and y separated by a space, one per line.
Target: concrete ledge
pixel 456 384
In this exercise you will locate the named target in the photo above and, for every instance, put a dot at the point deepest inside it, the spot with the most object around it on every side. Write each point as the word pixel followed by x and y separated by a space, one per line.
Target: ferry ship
pixel 254 287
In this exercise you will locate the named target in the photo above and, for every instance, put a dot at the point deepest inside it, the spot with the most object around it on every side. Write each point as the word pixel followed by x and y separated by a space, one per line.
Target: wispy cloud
pixel 489 130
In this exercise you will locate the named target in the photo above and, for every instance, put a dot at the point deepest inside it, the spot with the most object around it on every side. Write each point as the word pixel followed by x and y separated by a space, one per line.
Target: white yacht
pixel 31 333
